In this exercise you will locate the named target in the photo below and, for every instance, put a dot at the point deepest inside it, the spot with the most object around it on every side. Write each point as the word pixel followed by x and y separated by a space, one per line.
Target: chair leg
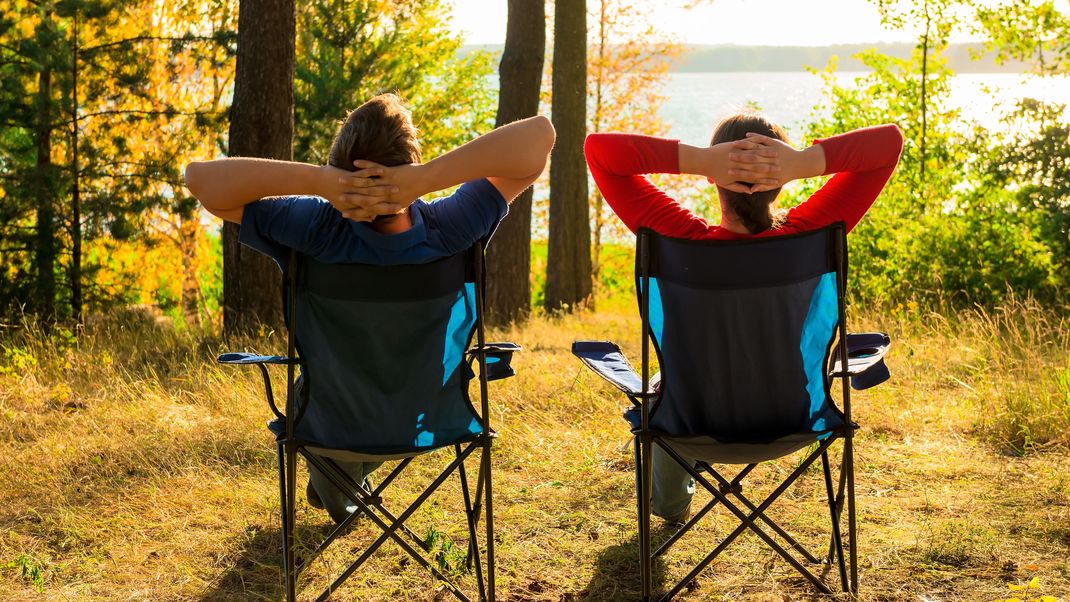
pixel 488 503
pixel 849 466
pixel 470 513
pixel 287 485
pixel 748 521
pixel 834 515
pixel 644 478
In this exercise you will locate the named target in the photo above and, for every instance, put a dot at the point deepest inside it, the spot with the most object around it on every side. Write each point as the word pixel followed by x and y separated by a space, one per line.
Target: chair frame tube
pixel 646 438
pixel 369 503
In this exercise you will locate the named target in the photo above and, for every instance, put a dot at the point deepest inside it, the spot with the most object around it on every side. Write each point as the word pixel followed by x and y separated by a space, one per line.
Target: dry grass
pixel 133 468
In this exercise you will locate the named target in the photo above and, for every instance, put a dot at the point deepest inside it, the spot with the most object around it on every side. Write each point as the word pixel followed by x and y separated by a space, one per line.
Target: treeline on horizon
pixel 732 58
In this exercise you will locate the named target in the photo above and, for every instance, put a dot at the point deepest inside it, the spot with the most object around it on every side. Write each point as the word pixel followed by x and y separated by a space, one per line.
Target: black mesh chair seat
pixel 386 357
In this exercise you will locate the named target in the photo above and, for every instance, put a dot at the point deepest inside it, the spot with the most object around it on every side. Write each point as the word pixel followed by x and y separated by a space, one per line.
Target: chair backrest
pixel 743 331
pixel 383 353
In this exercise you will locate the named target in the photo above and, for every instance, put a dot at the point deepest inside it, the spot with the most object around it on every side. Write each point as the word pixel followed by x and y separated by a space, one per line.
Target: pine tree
pixel 82 116
pixel 351 50
pixel 568 266
pixel 509 257
pixel 261 125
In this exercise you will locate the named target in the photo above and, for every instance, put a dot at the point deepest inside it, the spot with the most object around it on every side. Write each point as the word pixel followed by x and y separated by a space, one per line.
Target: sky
pixel 785 22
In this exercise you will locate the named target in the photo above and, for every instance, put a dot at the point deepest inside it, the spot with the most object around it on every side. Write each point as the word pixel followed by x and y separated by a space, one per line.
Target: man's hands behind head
pixel 375 189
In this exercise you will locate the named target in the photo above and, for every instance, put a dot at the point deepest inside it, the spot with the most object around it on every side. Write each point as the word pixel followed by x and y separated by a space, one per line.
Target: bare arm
pixel 225 186
pixel 511 157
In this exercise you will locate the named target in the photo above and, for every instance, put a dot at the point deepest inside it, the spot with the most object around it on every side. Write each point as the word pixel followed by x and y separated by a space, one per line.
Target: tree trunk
pixel 568 269
pixel 261 125
pixel 924 91
pixel 45 252
pixel 596 126
pixel 75 272
pixel 188 229
pixel 520 74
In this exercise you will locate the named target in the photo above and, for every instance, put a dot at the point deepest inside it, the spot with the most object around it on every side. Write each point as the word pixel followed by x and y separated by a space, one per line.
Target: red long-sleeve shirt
pixel 862 161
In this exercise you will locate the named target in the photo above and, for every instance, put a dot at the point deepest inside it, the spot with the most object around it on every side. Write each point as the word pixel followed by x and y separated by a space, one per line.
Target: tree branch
pixel 136 39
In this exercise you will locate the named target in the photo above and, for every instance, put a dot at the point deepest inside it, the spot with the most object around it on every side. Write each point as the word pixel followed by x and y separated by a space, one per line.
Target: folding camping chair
pixel 744 333
pixel 385 368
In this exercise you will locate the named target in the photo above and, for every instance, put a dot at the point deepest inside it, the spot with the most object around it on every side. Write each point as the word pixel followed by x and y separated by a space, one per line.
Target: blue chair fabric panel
pixel 384 375
pixel 458 329
pixel 818 330
pixel 656 311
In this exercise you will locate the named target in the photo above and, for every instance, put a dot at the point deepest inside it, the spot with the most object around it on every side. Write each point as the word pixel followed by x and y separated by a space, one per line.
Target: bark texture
pixel 568 266
pixel 261 125
pixel 520 72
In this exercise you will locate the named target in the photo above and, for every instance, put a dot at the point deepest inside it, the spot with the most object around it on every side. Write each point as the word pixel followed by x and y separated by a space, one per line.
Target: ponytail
pixel 755 210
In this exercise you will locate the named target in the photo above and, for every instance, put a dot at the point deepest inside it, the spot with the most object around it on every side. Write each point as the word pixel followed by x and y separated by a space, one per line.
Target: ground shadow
pixel 255 572
pixel 616 572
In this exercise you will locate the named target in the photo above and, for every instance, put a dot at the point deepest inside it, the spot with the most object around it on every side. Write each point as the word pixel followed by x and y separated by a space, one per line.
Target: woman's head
pixel 379 130
pixel 755 210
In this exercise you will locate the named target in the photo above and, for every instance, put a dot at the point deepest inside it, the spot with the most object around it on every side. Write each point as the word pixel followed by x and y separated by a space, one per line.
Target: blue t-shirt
pixel 312 226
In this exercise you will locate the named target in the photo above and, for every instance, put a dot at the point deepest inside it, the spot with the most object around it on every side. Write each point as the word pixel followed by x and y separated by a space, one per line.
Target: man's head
pixel 379 130
pixel 754 210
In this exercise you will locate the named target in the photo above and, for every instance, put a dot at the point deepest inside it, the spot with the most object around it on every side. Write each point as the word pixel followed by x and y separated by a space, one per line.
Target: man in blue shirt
pixel 362 206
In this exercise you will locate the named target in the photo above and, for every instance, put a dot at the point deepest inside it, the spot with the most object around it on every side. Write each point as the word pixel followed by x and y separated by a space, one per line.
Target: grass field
pixel 133 468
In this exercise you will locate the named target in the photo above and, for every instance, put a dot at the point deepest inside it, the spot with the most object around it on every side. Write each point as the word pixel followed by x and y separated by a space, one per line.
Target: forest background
pixel 104 102
pixel 113 282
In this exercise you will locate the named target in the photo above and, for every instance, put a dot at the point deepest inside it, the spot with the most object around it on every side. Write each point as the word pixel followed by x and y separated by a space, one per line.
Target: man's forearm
pixel 225 184
pixel 514 151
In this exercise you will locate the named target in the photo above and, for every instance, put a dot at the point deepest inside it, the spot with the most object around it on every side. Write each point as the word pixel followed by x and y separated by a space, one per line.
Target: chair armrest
pixel 252 358
pixel 499 359
pixel 608 361
pixel 259 361
pixel 865 359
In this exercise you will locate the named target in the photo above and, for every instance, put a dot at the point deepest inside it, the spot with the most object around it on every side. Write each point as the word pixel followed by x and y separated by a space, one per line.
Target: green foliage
pixel 1035 32
pixel 29 570
pixel 101 101
pixel 975 217
pixel 449 558
pixel 349 51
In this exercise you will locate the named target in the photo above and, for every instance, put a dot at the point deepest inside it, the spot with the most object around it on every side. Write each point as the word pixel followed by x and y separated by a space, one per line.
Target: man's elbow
pixel 194 176
pixel 545 132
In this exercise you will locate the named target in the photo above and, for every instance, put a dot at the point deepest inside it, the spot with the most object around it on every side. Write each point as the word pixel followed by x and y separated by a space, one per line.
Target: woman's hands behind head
pixel 746 166
pixel 790 163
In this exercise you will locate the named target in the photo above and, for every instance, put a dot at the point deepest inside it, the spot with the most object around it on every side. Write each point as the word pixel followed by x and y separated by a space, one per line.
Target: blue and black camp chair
pixel 746 335
pixel 386 359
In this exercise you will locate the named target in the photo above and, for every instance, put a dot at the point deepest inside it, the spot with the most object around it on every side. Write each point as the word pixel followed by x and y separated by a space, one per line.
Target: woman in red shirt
pixel 748 160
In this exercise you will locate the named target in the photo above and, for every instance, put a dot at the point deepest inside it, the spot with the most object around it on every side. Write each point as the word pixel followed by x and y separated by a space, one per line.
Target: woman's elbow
pixel 592 146
pixel 895 139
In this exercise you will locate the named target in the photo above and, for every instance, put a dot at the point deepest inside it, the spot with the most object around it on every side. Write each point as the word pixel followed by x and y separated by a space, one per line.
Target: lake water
pixel 697 101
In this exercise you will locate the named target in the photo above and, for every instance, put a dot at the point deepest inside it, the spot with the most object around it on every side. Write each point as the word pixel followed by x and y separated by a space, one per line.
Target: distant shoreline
pixel 737 59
